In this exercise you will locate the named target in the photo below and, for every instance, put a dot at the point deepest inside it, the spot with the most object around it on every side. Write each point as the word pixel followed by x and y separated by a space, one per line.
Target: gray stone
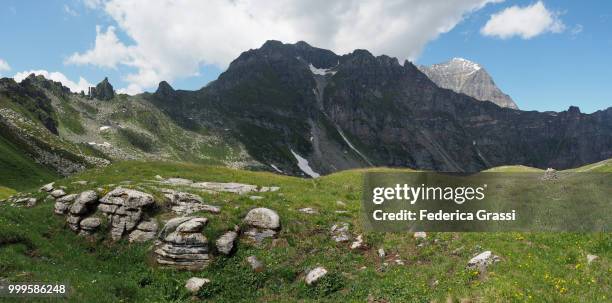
pixel 67 198
pixel 482 260
pixel 420 235
pixel 141 236
pixel 308 210
pixel 591 258
pixel 178 181
pixel 149 225
pixel 255 264
pixel 225 243
pixel 258 235
pixel 340 232
pixel 194 284
pixel 128 197
pixel 90 223
pixel 193 225
pixel 47 187
pixel 87 197
pixel 171 225
pixel 236 188
pixel 57 193
pixel 186 239
pixel 358 243
pixel 263 218
pixel 186 203
pixel 315 275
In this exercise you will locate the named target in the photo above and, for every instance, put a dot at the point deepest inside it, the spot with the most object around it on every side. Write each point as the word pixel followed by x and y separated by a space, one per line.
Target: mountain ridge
pixel 284 105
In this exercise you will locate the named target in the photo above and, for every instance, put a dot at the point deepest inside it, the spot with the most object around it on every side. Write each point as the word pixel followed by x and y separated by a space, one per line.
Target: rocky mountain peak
pixel 165 90
pixel 467 77
pixel 103 91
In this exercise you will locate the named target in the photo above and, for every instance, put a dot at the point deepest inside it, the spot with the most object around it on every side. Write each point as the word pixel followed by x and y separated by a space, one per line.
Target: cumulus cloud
pixel 81 85
pixel 525 22
pixel 107 52
pixel 4 66
pixel 172 39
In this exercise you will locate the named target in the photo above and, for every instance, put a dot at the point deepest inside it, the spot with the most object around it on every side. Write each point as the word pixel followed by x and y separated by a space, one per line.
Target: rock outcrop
pixel 125 209
pixel 103 91
pixel 313 276
pixel 263 223
pixel 185 203
pixel 183 244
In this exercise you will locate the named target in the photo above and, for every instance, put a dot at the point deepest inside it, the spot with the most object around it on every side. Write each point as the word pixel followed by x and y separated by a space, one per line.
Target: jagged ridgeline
pixel 294 109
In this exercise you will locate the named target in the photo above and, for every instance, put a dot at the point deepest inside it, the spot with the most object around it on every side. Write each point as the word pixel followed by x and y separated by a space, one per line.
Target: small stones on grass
pixel 358 243
pixel 255 264
pixel 194 284
pixel 340 232
pixel 420 235
pixel 315 275
pixel 482 260
pixel 591 258
pixel 308 210
pixel 381 252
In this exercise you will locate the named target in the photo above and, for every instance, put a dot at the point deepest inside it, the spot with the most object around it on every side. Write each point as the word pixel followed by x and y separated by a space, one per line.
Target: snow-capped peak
pixel 466 64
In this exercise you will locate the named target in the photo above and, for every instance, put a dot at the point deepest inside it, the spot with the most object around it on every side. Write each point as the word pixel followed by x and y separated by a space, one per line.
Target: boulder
pixel 315 275
pixel 57 193
pixel 124 207
pixel 182 245
pixel 192 226
pixel 90 223
pixel 47 187
pixel 263 218
pixel 194 284
pixel 226 243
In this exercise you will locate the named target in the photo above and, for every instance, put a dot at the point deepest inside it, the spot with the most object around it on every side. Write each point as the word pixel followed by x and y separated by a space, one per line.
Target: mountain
pixel 298 110
pixel 467 77
pixel 291 103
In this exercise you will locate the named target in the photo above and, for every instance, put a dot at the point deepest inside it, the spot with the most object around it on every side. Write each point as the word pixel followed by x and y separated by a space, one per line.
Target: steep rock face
pixel 467 77
pixel 103 91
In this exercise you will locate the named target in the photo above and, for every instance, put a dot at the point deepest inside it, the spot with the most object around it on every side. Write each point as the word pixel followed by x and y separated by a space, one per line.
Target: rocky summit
pixel 464 76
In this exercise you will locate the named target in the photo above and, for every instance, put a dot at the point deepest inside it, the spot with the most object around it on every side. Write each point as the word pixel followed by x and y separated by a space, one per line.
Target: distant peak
pixel 164 89
pixel 466 63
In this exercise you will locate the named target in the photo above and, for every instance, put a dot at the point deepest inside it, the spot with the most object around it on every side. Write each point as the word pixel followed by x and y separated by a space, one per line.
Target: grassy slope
pixel 19 171
pixel 34 245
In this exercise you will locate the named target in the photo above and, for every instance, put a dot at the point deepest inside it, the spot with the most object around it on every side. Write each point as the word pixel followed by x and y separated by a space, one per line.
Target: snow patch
pixel 321 71
pixel 276 168
pixel 351 146
pixel 304 166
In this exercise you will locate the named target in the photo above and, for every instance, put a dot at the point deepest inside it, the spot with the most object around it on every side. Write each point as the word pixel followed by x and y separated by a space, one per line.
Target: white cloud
pixel 82 85
pixel 107 52
pixel 174 39
pixel 525 22
pixel 4 66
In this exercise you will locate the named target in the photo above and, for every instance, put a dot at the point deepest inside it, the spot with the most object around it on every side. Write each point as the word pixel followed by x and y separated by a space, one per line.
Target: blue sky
pixel 186 44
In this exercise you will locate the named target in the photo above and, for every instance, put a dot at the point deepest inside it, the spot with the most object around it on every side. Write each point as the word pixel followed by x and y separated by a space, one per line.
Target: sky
pixel 547 55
